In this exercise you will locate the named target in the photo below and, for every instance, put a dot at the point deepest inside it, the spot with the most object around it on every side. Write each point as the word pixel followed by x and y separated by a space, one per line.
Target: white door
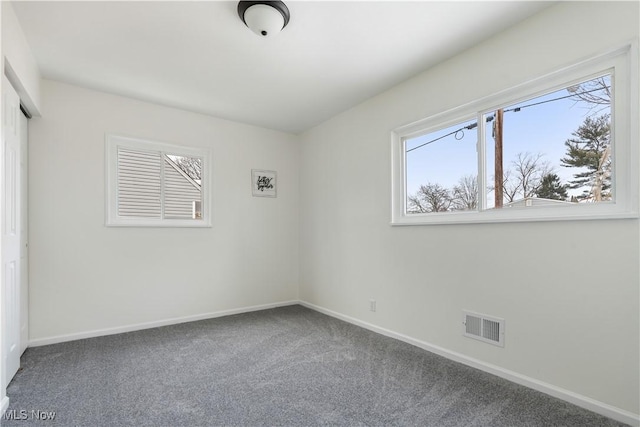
pixel 24 233
pixel 10 211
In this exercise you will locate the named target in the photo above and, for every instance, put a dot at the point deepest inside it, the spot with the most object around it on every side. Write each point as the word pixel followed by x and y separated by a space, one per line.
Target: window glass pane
pixel 556 148
pixel 442 169
pixel 182 187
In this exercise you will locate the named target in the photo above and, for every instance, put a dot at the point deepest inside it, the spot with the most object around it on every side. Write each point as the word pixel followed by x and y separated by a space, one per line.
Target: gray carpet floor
pixel 289 366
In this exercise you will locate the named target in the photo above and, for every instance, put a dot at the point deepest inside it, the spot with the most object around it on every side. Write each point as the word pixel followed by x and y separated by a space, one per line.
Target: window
pixel 442 170
pixel 154 184
pixel 560 147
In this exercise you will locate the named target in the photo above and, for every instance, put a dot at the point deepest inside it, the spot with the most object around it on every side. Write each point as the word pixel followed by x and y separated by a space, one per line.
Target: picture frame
pixel 263 183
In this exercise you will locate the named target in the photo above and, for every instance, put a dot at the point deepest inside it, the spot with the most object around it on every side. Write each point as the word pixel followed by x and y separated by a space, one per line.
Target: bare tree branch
pixel 465 194
pixel 192 166
pixel 595 93
pixel 430 198
pixel 524 178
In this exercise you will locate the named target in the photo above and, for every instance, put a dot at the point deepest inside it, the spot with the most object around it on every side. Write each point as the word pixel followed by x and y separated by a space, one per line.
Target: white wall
pixel 569 291
pixel 21 67
pixel 568 324
pixel 86 277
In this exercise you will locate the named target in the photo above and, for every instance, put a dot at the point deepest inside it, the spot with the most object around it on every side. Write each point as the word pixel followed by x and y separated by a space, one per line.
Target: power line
pixel 455 132
pixel 554 99
pixel 490 118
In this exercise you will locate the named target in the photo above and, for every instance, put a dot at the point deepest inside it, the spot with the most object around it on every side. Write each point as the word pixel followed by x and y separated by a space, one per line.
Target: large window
pixel 154 184
pixel 561 147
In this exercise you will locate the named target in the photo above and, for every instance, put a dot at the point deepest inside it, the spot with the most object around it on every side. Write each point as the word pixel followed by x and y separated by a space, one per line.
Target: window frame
pixel 112 142
pixel 622 63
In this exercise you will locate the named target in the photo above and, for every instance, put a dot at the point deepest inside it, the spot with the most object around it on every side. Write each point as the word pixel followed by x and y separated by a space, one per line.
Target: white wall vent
pixel 484 328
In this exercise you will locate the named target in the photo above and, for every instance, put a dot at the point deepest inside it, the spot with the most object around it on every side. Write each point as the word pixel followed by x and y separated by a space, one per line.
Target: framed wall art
pixel 263 183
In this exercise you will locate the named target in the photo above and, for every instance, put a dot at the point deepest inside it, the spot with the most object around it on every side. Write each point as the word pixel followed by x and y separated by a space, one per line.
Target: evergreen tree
pixel 552 188
pixel 590 149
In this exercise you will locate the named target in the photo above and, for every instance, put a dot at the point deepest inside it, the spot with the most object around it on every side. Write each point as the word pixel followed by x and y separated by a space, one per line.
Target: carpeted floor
pixel 289 366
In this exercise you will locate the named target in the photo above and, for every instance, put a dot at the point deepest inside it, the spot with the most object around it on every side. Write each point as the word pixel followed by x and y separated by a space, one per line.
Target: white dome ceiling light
pixel 265 18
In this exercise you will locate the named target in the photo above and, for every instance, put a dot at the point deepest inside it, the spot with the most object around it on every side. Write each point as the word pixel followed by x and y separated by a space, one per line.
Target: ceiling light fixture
pixel 265 18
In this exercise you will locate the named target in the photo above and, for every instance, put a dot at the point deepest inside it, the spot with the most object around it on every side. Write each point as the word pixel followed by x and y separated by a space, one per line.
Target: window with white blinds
pixel 155 184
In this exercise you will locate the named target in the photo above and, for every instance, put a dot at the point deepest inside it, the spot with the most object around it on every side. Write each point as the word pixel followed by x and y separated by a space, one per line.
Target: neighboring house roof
pixel 182 194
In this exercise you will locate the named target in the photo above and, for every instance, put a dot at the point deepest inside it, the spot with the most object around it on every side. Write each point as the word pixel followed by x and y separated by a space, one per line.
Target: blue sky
pixel 537 129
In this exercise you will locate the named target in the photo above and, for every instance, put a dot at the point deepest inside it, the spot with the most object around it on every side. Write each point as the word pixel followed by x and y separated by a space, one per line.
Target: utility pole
pixel 498 180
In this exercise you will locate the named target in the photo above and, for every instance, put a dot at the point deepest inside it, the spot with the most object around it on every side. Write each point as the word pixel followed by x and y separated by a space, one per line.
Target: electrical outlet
pixel 372 305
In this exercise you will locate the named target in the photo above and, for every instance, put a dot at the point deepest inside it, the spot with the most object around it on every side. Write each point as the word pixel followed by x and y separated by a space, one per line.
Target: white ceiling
pixel 199 56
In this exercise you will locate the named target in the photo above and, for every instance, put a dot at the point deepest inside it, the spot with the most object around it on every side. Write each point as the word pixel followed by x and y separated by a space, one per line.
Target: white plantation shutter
pixel 146 187
pixel 139 183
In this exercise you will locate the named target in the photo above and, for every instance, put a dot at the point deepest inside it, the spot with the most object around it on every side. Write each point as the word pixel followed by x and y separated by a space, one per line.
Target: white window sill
pixel 507 215
pixel 160 223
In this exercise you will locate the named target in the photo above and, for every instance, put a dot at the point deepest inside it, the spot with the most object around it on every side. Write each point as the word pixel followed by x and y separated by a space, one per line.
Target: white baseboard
pixel 550 389
pixel 3 407
pixel 148 325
